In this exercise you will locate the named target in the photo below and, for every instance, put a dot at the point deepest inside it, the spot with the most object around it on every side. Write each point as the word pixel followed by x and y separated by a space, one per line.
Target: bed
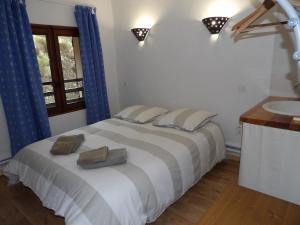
pixel 163 163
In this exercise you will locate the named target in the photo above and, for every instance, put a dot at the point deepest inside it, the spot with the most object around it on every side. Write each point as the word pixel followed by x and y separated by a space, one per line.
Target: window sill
pixel 58 113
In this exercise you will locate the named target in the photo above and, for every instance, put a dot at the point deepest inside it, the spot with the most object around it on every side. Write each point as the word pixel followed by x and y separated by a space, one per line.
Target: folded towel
pixel 93 156
pixel 65 145
pixel 114 157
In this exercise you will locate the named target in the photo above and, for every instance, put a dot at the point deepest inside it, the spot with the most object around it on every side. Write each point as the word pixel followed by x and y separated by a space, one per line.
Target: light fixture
pixel 215 24
pixel 140 33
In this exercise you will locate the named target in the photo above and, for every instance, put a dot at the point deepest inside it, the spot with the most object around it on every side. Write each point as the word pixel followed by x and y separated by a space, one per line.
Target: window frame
pixel 58 82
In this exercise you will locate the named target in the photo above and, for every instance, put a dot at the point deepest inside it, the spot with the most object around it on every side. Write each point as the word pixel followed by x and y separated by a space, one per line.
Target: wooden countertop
pixel 257 115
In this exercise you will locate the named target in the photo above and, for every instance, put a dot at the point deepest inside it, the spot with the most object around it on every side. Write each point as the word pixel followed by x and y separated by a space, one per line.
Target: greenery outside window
pixel 58 54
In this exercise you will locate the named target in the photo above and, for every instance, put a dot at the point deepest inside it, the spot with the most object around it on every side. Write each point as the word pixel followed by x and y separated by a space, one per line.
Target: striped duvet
pixel 163 163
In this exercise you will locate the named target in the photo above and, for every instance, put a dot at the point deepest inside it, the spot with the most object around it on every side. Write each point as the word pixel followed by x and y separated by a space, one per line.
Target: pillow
pixel 140 113
pixel 185 119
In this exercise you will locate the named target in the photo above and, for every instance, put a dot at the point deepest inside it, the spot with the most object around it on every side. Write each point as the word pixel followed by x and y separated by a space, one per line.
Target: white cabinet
pixel 270 161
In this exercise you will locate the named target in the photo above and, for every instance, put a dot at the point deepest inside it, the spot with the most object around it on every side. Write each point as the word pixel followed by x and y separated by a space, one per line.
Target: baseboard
pixel 3 162
pixel 233 152
pixel 233 148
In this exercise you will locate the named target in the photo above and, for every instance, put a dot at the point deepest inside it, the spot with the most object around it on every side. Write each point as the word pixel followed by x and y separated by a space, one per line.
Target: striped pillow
pixel 140 113
pixel 184 119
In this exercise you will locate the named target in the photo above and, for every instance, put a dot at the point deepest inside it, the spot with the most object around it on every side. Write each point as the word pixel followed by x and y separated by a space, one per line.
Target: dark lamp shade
pixel 215 24
pixel 140 33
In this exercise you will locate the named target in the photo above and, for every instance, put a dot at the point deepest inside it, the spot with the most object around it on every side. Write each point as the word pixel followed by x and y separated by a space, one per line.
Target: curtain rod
pixel 64 3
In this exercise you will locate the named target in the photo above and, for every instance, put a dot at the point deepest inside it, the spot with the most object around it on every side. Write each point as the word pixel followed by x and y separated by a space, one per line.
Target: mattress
pixel 163 163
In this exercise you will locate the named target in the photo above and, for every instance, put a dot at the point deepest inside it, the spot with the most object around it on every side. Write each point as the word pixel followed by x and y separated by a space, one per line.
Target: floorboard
pixel 240 206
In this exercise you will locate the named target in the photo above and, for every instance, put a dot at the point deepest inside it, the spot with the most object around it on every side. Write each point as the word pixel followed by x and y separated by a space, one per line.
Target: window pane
pixel 74 84
pixel 49 95
pixel 70 57
pixel 40 43
pixel 50 101
pixel 73 97
pixel 72 68
pixel 47 88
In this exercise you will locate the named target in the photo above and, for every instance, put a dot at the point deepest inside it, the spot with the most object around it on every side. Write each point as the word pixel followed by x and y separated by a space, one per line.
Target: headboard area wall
pixel 182 64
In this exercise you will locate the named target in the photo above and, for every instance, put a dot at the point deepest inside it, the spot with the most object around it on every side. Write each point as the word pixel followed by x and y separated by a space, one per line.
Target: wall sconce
pixel 140 33
pixel 215 24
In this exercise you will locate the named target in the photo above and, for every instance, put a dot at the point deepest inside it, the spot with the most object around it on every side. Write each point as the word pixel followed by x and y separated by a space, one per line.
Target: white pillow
pixel 140 113
pixel 185 119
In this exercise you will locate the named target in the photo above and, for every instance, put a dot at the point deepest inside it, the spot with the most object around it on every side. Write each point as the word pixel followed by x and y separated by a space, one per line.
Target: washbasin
pixel 288 108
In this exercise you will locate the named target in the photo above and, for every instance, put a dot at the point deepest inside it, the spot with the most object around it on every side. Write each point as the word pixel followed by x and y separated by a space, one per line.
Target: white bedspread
pixel 162 165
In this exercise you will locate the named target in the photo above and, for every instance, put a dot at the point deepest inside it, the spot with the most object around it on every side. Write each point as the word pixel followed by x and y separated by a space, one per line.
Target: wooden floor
pixel 204 203
pixel 241 206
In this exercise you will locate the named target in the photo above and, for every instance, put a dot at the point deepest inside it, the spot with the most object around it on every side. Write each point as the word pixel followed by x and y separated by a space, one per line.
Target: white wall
pixel 181 66
pixel 55 14
pixel 285 71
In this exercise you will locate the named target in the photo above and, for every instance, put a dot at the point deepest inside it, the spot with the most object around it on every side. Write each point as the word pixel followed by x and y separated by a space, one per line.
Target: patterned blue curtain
pixel 92 63
pixel 20 81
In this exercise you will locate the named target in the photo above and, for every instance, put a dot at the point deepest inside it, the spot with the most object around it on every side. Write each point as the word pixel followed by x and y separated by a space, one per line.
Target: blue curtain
pixel 96 100
pixel 20 81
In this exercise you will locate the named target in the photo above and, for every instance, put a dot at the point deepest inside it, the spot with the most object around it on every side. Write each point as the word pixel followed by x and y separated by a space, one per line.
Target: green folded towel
pixel 65 145
pixel 93 156
pixel 114 157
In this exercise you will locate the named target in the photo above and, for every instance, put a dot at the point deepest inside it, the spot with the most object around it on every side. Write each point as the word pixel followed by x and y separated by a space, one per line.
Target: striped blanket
pixel 163 163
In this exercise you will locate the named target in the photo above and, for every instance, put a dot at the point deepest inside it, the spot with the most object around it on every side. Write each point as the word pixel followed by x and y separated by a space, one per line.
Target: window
pixel 58 55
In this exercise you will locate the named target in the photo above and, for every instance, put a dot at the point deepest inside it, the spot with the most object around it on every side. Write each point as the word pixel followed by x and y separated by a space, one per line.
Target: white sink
pixel 288 108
